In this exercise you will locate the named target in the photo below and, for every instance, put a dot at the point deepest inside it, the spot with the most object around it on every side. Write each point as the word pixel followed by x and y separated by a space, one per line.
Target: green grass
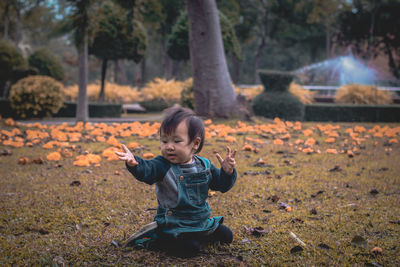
pixel 46 221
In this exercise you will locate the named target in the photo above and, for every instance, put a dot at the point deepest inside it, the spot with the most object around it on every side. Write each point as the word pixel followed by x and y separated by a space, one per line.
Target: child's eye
pixel 178 141
pixel 164 141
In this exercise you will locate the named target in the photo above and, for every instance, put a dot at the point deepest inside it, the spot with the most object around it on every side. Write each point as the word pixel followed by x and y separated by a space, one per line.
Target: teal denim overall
pixel 192 214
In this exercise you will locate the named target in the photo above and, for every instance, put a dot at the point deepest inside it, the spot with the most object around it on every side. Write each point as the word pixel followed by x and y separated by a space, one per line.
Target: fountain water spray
pixel 337 71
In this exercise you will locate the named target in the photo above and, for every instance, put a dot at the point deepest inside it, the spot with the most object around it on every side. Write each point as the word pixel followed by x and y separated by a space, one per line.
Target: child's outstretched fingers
pixel 127 156
pixel 228 164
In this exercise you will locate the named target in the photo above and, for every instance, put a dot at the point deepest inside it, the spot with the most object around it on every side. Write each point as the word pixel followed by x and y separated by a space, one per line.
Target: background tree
pixel 326 12
pixel 116 38
pixel 78 21
pixel 178 40
pixel 10 61
pixel 46 63
pixel 213 91
pixel 371 28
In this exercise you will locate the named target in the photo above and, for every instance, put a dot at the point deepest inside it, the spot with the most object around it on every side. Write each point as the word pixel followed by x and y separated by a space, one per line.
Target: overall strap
pixel 206 162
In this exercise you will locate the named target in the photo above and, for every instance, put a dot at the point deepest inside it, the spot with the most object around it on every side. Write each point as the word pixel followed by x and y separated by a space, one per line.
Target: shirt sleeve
pixel 149 171
pixel 221 181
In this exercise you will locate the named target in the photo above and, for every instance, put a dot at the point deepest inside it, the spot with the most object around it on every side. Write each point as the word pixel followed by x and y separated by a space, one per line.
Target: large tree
pixel 117 36
pixel 213 90
pixel 373 27
pixel 79 21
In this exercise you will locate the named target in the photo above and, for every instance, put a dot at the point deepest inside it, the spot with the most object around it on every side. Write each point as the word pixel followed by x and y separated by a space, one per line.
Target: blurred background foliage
pixel 133 42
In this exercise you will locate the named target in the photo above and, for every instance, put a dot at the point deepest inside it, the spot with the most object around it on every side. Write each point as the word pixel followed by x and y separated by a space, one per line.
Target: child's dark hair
pixel 174 116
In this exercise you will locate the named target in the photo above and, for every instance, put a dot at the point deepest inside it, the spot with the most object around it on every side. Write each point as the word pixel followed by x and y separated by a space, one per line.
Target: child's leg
pixel 222 234
pixel 180 247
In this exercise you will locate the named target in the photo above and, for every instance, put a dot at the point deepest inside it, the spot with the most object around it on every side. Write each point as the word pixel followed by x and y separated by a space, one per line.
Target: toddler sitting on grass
pixel 182 182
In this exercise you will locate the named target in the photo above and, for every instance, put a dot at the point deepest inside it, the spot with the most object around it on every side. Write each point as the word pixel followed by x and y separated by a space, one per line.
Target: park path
pixel 72 121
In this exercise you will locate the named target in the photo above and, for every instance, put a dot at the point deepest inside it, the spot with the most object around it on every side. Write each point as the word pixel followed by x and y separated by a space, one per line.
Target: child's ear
pixel 196 143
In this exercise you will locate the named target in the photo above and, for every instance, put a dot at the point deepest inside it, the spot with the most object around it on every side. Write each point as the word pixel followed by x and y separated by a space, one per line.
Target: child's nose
pixel 170 147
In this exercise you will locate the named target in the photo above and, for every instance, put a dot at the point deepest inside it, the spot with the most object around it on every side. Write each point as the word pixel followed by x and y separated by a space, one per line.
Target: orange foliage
pixel 230 139
pixel 113 141
pixel 23 160
pixel 330 140
pixel 13 143
pixel 308 150
pixel 278 142
pixel 54 156
pixel 100 138
pixel 148 155
pixel 133 145
pixel 9 122
pixel 247 147
pixel 331 151
pixel 307 132
pixel 310 141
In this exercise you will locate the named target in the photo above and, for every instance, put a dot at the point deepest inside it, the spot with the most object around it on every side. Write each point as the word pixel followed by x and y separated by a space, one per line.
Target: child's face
pixel 176 147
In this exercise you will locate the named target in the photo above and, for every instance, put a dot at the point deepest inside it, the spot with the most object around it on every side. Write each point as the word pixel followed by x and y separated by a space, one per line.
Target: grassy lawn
pixel 343 204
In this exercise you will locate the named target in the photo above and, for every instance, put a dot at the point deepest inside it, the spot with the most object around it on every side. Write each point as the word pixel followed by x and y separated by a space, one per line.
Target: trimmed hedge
pixel 275 81
pixel 96 110
pixel 6 110
pixel 352 113
pixel 283 105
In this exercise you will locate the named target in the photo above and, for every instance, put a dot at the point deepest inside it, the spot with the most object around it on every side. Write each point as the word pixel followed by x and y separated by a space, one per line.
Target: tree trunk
pixel 371 32
pixel 392 63
pixel 142 79
pixel 176 68
pixel 103 78
pixel 17 28
pixel 82 109
pixel 213 91
pixel 328 41
pixel 6 20
pixel 259 55
pixel 236 69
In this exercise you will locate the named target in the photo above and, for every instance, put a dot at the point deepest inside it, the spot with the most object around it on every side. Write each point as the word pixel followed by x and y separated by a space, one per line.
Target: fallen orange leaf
pixel 148 155
pixel 55 156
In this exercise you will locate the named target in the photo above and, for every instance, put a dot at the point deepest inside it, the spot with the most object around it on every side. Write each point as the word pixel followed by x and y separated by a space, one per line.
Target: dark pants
pixel 188 244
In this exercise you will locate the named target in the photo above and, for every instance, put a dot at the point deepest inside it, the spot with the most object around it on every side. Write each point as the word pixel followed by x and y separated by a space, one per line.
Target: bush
pixel 47 64
pixel 304 95
pixel 96 110
pixel 36 96
pixel 362 94
pixel 275 80
pixel 155 104
pixel 11 64
pixel 278 104
pixel 115 93
pixel 249 93
pixel 352 112
pixel 161 89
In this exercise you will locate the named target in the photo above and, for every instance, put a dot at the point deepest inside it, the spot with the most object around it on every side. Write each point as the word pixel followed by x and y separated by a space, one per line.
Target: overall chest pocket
pixel 197 189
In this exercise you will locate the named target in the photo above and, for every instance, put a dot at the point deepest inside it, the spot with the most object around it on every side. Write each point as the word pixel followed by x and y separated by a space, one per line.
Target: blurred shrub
pixel 47 64
pixel 275 80
pixel 36 96
pixel 276 100
pixel 249 93
pixel 159 88
pixel 362 94
pixel 114 93
pixel 13 66
pixel 304 95
pixel 155 104
pixel 283 105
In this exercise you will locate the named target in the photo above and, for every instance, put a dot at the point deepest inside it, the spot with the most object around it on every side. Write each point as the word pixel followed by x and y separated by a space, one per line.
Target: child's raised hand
pixel 227 164
pixel 127 156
